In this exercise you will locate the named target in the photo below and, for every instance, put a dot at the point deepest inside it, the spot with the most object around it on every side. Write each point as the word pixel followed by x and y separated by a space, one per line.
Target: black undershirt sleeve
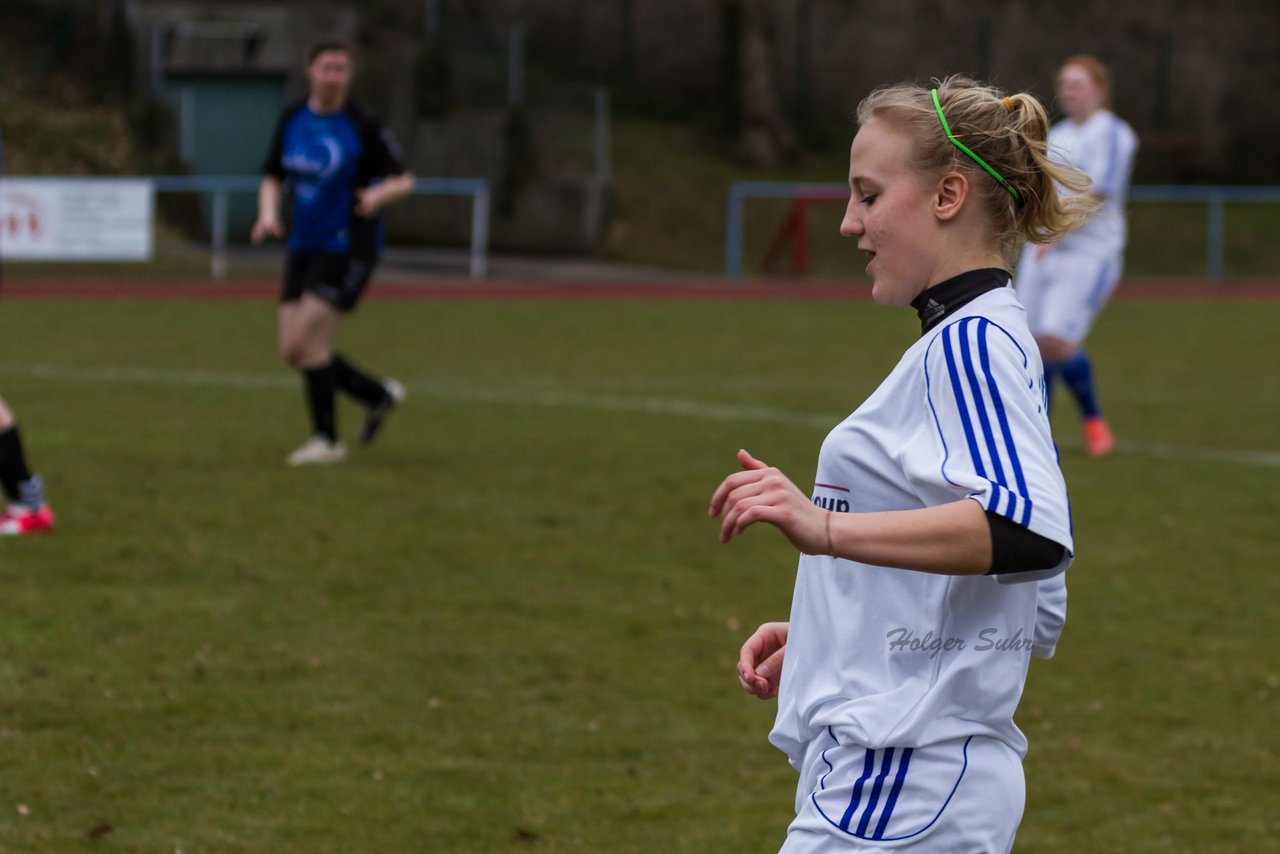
pixel 1018 549
pixel 382 155
pixel 271 164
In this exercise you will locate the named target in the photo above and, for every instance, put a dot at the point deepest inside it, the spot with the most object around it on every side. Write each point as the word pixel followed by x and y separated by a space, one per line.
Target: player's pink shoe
pixel 18 521
pixel 1098 441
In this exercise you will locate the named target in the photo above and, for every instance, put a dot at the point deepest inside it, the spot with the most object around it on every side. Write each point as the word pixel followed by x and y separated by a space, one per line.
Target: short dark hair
pixel 328 45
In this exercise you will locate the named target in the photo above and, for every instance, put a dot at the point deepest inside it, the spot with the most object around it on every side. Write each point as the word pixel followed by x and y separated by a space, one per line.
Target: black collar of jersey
pixel 939 302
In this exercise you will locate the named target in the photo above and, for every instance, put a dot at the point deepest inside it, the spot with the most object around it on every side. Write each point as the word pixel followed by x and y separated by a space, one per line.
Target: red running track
pixel 462 289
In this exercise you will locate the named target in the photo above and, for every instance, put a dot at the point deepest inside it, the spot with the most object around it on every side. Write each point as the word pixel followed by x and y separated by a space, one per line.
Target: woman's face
pixel 1078 95
pixel 890 213
pixel 330 77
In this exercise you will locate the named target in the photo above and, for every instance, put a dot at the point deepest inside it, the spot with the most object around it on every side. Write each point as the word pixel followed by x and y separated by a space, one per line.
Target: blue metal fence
pixel 221 186
pixel 1215 198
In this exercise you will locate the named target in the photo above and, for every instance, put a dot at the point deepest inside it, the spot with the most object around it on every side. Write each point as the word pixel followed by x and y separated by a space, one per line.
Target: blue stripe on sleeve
pixel 998 497
pixel 937 425
pixel 979 403
pixel 961 405
pixel 1013 503
pixel 993 501
pixel 997 403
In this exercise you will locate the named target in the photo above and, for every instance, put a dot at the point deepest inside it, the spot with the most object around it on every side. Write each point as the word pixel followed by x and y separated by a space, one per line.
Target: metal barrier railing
pixel 1214 197
pixel 221 186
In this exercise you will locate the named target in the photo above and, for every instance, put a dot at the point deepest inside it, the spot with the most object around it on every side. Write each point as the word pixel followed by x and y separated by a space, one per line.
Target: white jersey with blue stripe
pixel 885 657
pixel 1103 147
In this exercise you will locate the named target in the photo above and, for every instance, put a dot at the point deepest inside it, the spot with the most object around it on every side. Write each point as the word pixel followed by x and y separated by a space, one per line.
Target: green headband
pixel 960 145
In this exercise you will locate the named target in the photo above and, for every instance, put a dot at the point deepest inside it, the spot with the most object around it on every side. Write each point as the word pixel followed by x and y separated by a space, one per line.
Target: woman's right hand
pixel 760 493
pixel 760 660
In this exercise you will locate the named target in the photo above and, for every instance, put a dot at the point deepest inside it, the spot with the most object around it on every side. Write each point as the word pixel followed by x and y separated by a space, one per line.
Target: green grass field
pixel 509 626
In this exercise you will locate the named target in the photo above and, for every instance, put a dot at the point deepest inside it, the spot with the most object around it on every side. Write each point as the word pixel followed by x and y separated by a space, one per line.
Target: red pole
pixel 800 239
pixel 780 238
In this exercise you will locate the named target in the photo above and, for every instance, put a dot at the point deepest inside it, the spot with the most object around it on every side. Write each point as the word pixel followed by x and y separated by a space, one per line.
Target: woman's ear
pixel 952 190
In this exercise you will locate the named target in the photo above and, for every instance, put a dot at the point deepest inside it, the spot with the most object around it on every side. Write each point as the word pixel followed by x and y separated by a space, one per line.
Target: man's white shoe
pixel 318 450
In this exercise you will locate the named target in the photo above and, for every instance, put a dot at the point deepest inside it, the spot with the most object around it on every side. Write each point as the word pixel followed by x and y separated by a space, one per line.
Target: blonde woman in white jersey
pixel 935 538
pixel 1064 285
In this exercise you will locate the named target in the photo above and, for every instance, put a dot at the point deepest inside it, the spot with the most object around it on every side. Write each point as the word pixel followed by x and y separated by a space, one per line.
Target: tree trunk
pixel 767 137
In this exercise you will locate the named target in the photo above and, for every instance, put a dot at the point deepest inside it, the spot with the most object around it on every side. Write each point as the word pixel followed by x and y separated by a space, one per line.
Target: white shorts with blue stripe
pixel 964 796
pixel 1064 291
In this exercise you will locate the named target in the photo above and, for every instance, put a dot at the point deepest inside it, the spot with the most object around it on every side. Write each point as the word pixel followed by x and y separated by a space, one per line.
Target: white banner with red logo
pixel 76 219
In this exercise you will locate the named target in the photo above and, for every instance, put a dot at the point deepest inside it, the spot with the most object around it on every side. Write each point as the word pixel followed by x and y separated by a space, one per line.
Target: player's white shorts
pixel 964 795
pixel 1064 291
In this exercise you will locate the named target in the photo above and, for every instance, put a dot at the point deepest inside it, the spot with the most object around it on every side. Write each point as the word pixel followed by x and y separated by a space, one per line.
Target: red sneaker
pixel 17 521
pixel 1098 440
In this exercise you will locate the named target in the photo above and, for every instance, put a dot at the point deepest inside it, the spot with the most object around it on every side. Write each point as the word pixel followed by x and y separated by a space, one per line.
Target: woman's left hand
pixel 761 493
pixel 371 199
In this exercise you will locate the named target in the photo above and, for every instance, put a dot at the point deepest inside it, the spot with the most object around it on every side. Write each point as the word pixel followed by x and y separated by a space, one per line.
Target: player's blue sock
pixel 31 492
pixel 1077 373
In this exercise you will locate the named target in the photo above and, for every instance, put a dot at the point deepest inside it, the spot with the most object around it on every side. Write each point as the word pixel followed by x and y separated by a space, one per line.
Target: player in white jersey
pixel 934 542
pixel 1065 285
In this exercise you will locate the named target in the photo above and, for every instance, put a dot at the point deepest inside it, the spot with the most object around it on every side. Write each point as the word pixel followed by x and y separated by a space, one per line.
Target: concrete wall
pixel 215 36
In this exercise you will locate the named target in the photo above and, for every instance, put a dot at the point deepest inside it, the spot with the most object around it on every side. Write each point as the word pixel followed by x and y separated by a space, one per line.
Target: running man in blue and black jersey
pixel 341 166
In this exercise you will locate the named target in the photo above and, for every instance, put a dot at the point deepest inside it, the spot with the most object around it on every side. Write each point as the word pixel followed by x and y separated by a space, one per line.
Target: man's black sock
pixel 357 383
pixel 320 393
pixel 13 466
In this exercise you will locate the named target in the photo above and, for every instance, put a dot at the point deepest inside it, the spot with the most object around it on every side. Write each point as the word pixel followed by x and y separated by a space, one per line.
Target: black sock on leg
pixel 320 386
pixel 13 465
pixel 357 383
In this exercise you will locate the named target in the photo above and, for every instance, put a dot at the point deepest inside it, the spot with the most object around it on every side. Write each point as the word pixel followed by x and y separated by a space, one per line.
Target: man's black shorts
pixel 338 278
